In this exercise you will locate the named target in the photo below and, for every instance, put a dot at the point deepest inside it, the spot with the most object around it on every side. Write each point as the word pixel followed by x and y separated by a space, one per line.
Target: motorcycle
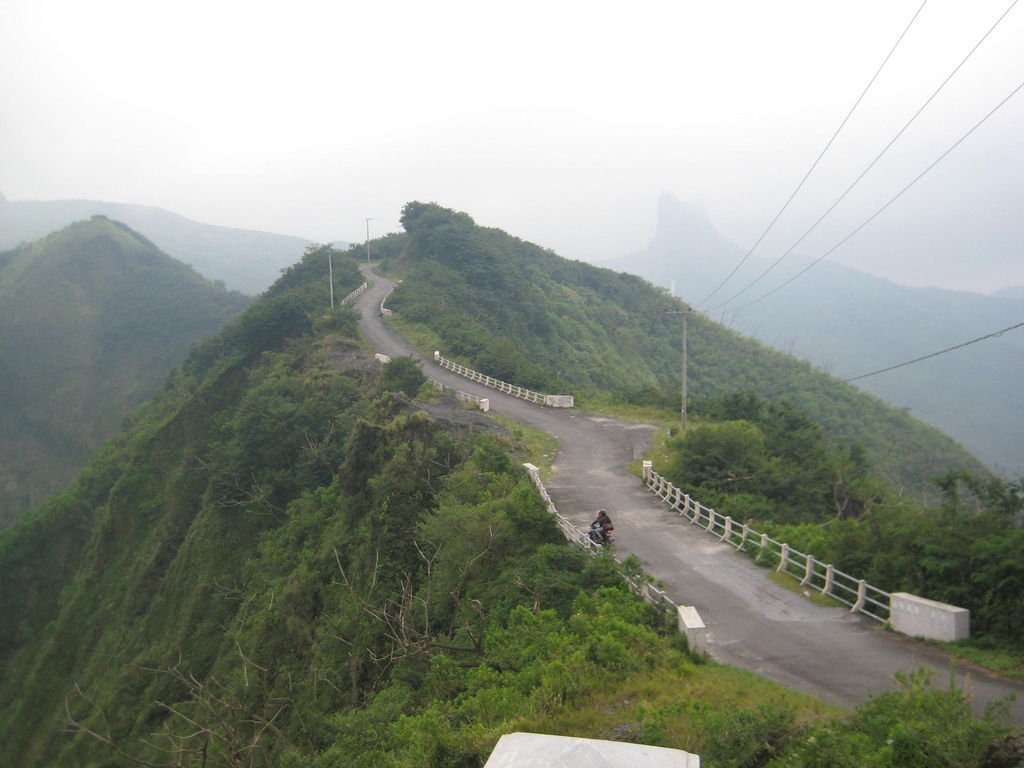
pixel 599 534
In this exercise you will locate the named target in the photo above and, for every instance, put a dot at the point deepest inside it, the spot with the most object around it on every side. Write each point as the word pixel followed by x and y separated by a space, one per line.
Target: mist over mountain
pixel 850 323
pixel 245 260
pixel 94 317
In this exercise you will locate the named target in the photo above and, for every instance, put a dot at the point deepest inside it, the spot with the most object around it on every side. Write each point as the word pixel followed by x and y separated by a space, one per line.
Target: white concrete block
pixel 559 401
pixel 691 625
pixel 534 750
pixel 920 617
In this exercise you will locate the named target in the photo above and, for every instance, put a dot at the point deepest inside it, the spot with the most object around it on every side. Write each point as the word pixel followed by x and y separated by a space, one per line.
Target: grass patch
pixel 422 338
pixel 1007 662
pixel 540 446
pixel 678 705
pixel 790 582
pixel 639 414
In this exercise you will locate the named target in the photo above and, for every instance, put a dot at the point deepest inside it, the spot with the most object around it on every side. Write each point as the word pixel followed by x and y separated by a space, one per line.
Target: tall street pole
pixel 330 275
pixel 368 240
pixel 682 314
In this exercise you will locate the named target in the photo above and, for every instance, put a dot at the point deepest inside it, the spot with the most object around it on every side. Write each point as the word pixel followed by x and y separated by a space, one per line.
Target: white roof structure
pixel 534 750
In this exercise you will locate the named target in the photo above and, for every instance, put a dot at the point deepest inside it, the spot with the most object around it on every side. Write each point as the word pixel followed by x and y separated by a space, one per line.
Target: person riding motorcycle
pixel 601 527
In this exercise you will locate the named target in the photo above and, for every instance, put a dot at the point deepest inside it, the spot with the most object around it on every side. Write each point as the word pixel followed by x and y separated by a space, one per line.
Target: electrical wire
pixel 866 170
pixel 891 201
pixel 821 155
pixel 935 354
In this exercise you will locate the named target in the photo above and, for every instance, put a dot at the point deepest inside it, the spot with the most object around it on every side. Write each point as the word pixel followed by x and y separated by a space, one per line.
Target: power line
pixel 870 166
pixel 936 354
pixel 818 160
pixel 891 201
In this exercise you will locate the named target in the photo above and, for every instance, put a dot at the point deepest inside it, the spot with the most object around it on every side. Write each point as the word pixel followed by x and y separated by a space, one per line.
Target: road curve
pixel 752 623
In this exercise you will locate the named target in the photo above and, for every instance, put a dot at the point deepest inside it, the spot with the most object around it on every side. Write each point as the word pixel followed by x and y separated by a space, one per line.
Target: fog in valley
pixel 560 123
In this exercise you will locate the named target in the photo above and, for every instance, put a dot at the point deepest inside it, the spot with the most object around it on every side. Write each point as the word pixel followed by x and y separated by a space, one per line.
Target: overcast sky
pixel 560 122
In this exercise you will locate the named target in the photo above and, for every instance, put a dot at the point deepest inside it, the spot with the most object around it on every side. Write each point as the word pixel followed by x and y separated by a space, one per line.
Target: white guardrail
pixel 860 596
pixel 354 293
pixel 482 402
pixel 556 401
pixel 384 311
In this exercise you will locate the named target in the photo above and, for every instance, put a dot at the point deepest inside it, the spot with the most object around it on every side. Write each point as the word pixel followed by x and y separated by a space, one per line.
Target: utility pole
pixel 368 240
pixel 330 275
pixel 682 314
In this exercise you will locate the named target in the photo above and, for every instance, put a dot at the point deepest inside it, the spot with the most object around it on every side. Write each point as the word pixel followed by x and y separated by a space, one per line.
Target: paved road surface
pixel 752 622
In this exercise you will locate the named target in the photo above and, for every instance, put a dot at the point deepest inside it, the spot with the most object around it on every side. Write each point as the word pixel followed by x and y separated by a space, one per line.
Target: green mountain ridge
pixel 94 318
pixel 277 562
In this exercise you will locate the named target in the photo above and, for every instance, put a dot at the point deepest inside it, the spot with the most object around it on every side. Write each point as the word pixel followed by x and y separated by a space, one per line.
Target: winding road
pixel 752 623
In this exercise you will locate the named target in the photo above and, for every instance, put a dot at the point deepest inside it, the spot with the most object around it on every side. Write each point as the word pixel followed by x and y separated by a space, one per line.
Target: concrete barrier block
pixel 920 617
pixel 691 625
pixel 559 401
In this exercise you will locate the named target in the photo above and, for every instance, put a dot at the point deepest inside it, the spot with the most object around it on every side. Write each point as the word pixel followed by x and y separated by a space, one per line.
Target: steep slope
pixel 245 260
pixel 94 317
pixel 849 323
pixel 523 314
pixel 267 493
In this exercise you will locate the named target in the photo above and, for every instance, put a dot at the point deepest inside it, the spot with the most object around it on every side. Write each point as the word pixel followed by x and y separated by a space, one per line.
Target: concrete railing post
pixel 808 571
pixel 830 579
pixel 862 595
pixel 784 559
pixel 534 473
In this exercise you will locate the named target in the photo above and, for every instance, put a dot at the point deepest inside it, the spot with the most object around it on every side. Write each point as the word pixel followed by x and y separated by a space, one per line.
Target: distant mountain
pixel 850 323
pixel 1013 292
pixel 93 316
pixel 245 260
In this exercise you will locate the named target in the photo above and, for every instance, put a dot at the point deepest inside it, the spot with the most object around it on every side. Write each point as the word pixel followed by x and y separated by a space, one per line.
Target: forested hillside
pixel 523 314
pixel 278 562
pixel 94 317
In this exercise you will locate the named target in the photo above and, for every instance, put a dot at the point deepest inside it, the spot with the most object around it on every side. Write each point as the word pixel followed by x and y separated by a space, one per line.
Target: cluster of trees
pixel 770 465
pixel 760 460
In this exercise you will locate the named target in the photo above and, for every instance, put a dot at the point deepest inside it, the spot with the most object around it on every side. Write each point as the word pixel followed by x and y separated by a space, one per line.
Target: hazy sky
pixel 560 122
